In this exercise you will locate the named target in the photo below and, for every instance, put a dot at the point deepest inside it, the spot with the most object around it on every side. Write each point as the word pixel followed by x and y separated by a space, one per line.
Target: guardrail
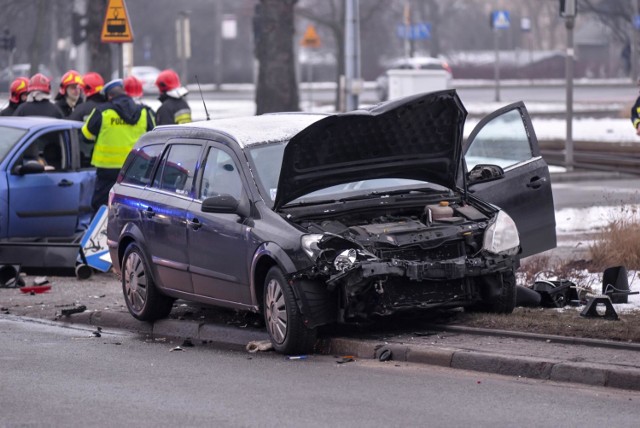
pixel 592 155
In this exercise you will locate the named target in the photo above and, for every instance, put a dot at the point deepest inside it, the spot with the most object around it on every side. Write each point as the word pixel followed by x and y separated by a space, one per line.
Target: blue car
pixel 46 179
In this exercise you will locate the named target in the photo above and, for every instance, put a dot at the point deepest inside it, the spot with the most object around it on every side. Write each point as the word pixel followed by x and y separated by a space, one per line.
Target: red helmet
pixel 39 82
pixel 133 86
pixel 93 83
pixel 71 77
pixel 17 88
pixel 167 80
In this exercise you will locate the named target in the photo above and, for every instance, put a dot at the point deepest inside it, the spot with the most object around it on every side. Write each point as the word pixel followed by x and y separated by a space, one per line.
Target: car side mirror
pixel 29 167
pixel 485 172
pixel 224 204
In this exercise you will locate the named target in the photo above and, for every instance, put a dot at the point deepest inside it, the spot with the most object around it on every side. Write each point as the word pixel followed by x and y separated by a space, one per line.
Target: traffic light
pixel 568 8
pixel 8 40
pixel 78 29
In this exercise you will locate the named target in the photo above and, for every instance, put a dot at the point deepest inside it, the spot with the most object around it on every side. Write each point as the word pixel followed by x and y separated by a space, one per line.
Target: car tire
pixel 505 302
pixel 143 299
pixel 282 317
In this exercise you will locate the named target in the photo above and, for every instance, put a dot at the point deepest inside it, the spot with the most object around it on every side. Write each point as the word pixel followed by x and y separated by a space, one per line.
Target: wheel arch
pixel 266 256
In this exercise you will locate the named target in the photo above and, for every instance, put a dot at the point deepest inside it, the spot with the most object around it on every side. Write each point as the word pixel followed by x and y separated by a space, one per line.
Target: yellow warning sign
pixel 116 27
pixel 310 38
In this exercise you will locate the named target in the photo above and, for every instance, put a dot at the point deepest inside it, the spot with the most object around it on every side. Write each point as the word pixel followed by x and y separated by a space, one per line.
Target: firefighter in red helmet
pixel 17 95
pixel 174 108
pixel 38 104
pixel 69 94
pixel 133 88
pixel 93 84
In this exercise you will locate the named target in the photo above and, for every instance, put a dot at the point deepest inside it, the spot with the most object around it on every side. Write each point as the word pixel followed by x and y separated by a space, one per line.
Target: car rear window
pixel 140 165
pixel 8 138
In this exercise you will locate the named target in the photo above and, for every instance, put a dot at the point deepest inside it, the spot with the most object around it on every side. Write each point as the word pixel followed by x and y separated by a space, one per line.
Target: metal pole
pixel 120 61
pixel 496 68
pixel 351 53
pixel 569 23
pixel 217 45
pixel 310 81
pixel 633 41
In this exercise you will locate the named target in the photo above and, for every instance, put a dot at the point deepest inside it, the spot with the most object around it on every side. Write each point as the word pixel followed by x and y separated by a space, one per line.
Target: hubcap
pixel 135 282
pixel 276 311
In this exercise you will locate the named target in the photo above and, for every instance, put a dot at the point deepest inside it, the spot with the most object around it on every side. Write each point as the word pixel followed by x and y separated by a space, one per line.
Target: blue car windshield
pixel 267 160
pixel 8 138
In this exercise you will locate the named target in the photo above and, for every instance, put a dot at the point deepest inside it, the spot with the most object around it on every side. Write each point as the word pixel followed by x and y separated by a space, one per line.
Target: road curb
pixel 508 365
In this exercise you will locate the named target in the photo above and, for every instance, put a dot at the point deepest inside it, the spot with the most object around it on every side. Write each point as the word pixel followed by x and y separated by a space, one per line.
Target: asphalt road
pixel 55 376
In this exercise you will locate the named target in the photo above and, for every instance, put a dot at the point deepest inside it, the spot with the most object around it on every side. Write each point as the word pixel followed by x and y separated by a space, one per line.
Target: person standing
pixel 115 126
pixel 174 108
pixel 93 84
pixel 38 104
pixel 68 96
pixel 133 88
pixel 17 95
pixel 635 114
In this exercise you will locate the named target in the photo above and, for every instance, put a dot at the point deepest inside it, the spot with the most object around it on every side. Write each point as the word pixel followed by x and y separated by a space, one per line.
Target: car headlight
pixel 309 244
pixel 345 260
pixel 501 237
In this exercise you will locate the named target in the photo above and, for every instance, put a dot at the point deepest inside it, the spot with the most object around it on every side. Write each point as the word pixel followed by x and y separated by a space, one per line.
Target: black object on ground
pixel 75 310
pixel 615 284
pixel 527 297
pixel 591 309
pixel 556 294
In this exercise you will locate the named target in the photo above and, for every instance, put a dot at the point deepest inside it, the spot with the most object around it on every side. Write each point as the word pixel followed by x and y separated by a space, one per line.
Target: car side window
pixel 177 168
pixel 220 176
pixel 504 141
pixel 140 165
pixel 49 150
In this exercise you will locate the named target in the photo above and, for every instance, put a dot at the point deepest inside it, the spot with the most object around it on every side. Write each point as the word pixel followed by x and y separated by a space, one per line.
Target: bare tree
pixel 277 89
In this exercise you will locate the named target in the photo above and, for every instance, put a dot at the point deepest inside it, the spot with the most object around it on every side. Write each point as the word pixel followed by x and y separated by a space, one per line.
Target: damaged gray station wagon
pixel 320 219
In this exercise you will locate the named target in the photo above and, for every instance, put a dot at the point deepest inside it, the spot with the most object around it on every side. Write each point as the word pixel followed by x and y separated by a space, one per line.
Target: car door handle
pixel 65 183
pixel 148 213
pixel 194 224
pixel 536 182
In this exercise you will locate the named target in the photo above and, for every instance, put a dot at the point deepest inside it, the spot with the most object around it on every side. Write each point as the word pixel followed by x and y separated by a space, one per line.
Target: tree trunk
pixel 36 43
pixel 277 89
pixel 99 53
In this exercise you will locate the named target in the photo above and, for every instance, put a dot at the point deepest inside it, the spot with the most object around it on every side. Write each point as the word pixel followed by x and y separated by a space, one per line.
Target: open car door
pixel 506 138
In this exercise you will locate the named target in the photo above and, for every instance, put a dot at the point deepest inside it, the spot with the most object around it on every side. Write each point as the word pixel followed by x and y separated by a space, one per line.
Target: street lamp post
pixel 568 12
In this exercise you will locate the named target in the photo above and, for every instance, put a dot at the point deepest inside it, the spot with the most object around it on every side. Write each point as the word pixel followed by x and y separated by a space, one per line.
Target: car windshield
pixel 267 160
pixel 8 138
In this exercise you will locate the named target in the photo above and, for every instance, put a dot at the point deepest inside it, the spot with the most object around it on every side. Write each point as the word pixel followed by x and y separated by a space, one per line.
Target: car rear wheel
pixel 143 299
pixel 284 322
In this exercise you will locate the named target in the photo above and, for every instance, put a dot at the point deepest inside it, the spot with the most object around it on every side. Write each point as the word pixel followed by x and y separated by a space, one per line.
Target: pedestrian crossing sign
pixel 116 27
pixel 500 19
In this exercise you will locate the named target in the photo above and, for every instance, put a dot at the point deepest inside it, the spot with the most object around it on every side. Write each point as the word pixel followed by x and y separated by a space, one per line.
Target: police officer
pixel 68 96
pixel 93 84
pixel 174 108
pixel 115 126
pixel 17 95
pixel 38 103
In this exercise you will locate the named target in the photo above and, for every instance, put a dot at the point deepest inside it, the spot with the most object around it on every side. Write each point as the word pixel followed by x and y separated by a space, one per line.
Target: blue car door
pixel 45 204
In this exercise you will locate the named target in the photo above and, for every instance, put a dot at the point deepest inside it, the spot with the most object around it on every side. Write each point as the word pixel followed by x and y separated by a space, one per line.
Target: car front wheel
pixel 143 299
pixel 284 322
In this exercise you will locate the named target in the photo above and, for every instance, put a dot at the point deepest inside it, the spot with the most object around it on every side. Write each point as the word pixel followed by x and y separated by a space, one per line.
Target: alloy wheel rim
pixel 276 310
pixel 135 282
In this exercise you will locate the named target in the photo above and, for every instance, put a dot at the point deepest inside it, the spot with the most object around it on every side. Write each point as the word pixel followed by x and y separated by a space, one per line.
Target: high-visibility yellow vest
pixel 115 139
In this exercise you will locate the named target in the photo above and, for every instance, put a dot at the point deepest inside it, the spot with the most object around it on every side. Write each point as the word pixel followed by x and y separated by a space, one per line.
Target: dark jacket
pixel 10 109
pixel 635 113
pixel 173 110
pixel 82 111
pixel 38 108
pixel 63 105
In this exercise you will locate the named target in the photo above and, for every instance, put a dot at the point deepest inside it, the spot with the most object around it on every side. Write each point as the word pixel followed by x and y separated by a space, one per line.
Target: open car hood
pixel 418 137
